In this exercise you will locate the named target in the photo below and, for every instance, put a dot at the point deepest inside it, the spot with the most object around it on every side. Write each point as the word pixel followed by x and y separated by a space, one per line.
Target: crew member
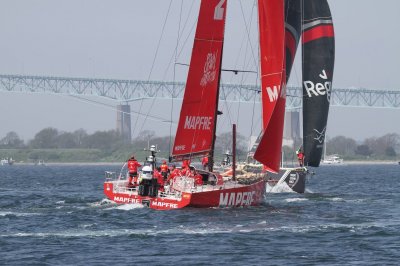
pixel 160 179
pixel 204 162
pixel 185 167
pixel 164 170
pixel 198 179
pixel 133 165
pixel 174 172
pixel 300 156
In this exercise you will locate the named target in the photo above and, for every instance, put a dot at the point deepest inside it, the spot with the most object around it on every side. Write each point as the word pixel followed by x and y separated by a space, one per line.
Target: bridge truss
pixel 124 91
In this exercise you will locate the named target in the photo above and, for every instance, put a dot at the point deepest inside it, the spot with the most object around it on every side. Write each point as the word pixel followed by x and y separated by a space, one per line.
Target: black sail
pixel 318 48
pixel 292 32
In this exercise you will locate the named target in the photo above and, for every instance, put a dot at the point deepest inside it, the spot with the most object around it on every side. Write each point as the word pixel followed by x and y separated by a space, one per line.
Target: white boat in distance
pixel 332 159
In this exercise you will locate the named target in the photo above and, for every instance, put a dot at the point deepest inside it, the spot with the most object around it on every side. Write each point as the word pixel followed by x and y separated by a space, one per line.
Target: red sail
pixel 273 75
pixel 196 128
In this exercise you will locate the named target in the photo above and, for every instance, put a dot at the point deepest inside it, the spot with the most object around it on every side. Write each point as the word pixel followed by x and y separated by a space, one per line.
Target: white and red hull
pixel 228 194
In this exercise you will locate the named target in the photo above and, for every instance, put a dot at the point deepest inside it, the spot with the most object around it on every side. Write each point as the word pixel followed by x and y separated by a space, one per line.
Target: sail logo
pixel 198 122
pixel 210 71
pixel 319 89
pixel 320 135
pixel 219 11
pixel 236 199
pixel 180 148
pixel 273 93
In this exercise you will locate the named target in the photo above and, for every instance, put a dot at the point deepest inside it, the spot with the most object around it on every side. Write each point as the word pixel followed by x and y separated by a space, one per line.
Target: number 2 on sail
pixel 219 11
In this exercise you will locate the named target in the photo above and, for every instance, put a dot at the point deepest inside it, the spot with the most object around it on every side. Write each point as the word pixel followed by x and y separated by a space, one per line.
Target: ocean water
pixel 58 215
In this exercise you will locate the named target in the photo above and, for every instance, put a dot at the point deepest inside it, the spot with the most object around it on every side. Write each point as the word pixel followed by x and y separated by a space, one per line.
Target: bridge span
pixel 124 91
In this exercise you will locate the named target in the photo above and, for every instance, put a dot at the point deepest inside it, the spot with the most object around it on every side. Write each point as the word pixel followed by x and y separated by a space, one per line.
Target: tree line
pixel 110 141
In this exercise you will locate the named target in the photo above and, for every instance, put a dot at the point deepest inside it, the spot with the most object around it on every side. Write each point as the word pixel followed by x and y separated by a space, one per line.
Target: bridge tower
pixel 291 133
pixel 124 122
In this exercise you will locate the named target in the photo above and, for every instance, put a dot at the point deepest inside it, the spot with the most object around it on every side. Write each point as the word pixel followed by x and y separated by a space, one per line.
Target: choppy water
pixel 57 215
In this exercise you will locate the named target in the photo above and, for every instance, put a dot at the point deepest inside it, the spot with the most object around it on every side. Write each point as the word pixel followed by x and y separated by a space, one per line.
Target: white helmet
pixel 147 172
pixel 147 168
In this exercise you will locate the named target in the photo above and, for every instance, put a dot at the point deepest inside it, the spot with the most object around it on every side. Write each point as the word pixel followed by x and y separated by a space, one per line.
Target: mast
pixel 216 113
pixel 234 152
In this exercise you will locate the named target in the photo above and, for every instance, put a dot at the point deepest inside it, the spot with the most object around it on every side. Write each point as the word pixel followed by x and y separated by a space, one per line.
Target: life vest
pixel 133 166
pixel 159 177
pixel 175 172
pixel 198 180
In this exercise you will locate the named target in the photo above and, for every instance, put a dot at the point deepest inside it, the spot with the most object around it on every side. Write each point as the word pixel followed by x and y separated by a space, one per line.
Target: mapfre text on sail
pixel 198 122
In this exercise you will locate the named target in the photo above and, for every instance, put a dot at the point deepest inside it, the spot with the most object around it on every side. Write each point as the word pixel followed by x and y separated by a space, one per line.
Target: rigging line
pixel 159 40
pixel 180 34
pixel 152 66
pixel 245 58
pixel 257 80
pixel 187 38
pixel 173 87
pixel 109 106
pixel 248 33
pixel 226 103
pixel 252 117
pixel 235 71
pixel 244 41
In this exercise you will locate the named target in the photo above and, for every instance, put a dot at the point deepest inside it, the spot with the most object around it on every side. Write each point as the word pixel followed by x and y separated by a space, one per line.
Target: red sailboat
pixel 195 134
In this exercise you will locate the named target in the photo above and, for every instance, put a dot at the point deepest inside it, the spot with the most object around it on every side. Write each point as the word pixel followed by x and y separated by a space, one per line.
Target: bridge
pixel 125 91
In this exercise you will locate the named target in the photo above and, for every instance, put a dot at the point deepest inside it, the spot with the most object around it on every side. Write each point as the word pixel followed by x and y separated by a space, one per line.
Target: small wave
pixel 208 230
pixel 87 225
pixel 103 202
pixel 118 232
pixel 279 188
pixel 128 207
pixel 18 214
pixel 336 199
pixel 60 202
pixel 295 199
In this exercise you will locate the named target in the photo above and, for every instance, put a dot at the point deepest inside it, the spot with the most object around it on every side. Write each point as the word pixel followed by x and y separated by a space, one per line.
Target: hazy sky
pixel 119 39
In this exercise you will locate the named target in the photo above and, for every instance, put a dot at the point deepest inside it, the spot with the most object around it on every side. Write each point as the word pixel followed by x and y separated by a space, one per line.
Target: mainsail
pixel 196 128
pixel 273 76
pixel 318 46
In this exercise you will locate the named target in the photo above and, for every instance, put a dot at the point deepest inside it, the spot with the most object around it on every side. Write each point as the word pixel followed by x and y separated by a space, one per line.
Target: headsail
pixel 318 64
pixel 273 76
pixel 292 33
pixel 196 128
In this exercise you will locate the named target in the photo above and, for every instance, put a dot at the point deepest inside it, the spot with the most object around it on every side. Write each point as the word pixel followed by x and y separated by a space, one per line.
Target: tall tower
pixel 291 133
pixel 124 122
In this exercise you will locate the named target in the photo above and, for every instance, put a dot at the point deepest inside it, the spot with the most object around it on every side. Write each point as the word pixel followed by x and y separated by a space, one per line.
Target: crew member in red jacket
pixel 204 162
pixel 133 165
pixel 300 156
pixel 185 171
pixel 164 170
pixel 174 172
pixel 160 179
